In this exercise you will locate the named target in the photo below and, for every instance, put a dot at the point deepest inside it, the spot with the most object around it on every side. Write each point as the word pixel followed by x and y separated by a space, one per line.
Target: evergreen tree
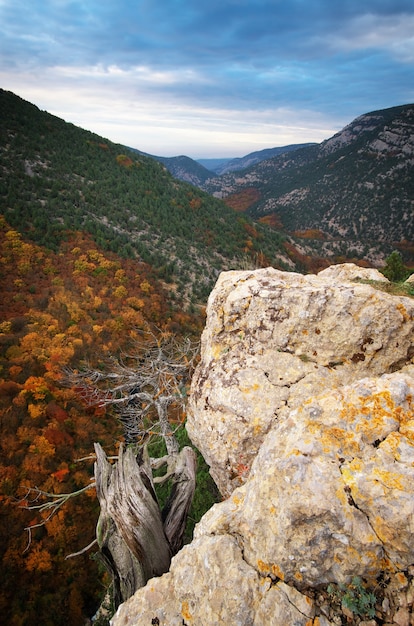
pixel 394 269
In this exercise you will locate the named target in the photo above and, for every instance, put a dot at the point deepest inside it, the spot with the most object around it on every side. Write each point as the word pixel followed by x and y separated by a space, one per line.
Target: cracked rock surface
pixel 273 340
pixel 313 448
pixel 331 488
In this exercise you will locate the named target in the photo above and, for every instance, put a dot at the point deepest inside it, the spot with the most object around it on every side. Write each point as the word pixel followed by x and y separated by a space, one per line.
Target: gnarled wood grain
pixel 135 538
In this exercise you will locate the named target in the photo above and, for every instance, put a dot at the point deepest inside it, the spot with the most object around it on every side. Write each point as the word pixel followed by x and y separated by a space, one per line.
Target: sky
pixel 208 78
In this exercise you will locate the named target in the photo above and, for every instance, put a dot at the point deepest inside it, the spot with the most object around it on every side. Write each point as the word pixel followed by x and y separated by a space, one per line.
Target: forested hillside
pixel 242 163
pixel 60 309
pixel 357 185
pixel 55 176
pixel 199 172
pixel 186 169
pixel 98 244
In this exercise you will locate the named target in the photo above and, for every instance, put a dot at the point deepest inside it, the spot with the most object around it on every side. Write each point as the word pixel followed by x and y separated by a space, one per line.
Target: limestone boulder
pixel 210 583
pixel 329 497
pixel 351 272
pixel 274 339
pixel 303 405
pixel 330 492
pixel 204 586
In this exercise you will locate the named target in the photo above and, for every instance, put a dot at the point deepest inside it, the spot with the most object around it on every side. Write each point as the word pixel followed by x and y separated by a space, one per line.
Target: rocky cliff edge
pixel 302 405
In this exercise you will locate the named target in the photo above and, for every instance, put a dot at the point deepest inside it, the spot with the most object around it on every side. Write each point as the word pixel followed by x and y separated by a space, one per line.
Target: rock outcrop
pixel 303 405
pixel 275 339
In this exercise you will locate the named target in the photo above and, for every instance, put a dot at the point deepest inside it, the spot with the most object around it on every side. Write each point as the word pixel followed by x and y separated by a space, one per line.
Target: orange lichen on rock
pixel 248 388
pixel 401 308
pixel 265 568
pixel 185 611
pixel 276 571
pixel 374 405
pixel 336 438
pixel 407 430
pixel 237 499
pixel 374 413
pixel 390 480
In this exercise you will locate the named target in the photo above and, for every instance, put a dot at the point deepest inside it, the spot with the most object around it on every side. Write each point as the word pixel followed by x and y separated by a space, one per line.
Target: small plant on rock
pixel 354 597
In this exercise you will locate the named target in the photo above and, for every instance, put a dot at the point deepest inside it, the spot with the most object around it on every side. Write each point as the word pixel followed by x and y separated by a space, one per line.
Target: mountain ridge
pixel 358 183
pixel 241 163
pixel 196 172
pixel 56 177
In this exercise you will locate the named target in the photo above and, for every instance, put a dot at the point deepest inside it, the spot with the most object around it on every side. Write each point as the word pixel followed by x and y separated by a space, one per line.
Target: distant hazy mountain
pixel 359 183
pixel 234 165
pixel 213 165
pixel 198 172
pixel 183 168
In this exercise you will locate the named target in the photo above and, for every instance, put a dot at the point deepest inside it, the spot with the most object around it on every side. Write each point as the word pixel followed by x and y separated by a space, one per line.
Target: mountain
pixel 56 177
pixel 186 169
pixel 358 184
pixel 183 168
pixel 234 165
pixel 199 172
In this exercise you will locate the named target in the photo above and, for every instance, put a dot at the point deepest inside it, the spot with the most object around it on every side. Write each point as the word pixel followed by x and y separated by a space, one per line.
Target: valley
pixel 100 244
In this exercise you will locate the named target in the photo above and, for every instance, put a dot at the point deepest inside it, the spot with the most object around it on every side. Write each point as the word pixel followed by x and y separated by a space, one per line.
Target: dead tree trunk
pixel 182 468
pixel 136 538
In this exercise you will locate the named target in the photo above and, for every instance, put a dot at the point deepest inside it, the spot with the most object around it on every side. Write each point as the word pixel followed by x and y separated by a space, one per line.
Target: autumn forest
pixel 100 248
pixel 60 309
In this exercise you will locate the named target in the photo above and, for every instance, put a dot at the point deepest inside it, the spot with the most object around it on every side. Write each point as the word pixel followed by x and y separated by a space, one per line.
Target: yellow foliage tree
pixel 120 292
pixel 42 447
pixel 35 410
pixel 37 387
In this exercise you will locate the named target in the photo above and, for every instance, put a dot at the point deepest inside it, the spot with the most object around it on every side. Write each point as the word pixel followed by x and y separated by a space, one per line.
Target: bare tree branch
pixel 85 549
pixel 143 386
pixel 144 389
pixel 53 502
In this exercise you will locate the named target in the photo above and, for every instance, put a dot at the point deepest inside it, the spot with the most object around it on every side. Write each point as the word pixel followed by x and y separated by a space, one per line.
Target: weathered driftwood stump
pixel 136 538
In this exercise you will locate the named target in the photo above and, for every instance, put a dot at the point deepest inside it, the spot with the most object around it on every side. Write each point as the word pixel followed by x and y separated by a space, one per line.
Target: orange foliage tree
pixel 57 310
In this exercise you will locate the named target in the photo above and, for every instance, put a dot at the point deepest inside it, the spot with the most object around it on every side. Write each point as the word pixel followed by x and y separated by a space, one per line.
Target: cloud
pixel 167 127
pixel 393 34
pixel 184 73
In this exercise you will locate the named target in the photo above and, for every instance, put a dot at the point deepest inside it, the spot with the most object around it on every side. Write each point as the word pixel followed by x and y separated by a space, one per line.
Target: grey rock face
pixel 274 339
pixel 303 405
